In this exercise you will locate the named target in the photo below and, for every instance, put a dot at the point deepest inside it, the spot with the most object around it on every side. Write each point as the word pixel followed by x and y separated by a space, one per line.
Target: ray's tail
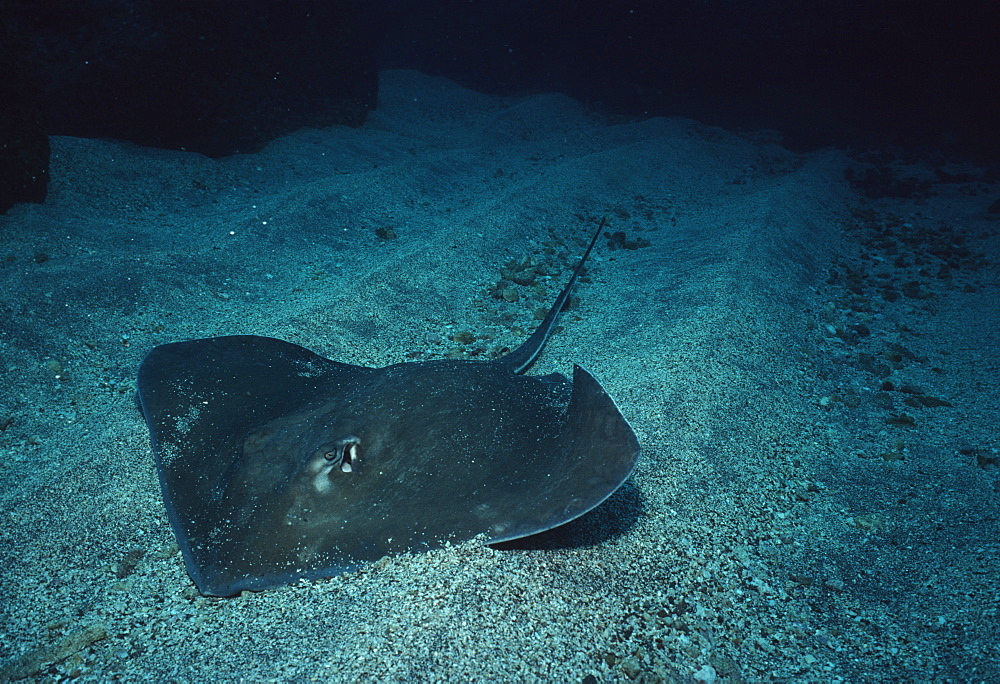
pixel 521 358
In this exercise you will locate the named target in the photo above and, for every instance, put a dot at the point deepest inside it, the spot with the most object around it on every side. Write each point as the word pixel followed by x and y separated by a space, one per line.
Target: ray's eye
pixel 332 458
pixel 344 454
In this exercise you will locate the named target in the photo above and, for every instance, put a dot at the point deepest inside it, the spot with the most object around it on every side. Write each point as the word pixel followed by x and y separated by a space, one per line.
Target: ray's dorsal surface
pixel 278 464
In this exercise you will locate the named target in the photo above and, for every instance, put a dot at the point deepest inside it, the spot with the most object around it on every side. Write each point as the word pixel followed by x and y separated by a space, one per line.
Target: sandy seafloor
pixel 812 374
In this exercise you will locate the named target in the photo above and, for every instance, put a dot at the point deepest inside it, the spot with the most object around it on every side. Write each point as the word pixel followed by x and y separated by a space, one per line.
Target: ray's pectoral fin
pixel 599 429
pixel 596 451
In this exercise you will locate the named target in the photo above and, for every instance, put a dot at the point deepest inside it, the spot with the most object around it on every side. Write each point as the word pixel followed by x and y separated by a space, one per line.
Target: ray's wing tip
pixel 594 417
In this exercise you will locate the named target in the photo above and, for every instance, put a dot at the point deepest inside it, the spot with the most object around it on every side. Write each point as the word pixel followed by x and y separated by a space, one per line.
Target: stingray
pixel 277 464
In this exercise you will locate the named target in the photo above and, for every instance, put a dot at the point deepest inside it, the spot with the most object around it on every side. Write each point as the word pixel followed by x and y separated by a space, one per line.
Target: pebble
pixel 631 668
pixel 706 675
